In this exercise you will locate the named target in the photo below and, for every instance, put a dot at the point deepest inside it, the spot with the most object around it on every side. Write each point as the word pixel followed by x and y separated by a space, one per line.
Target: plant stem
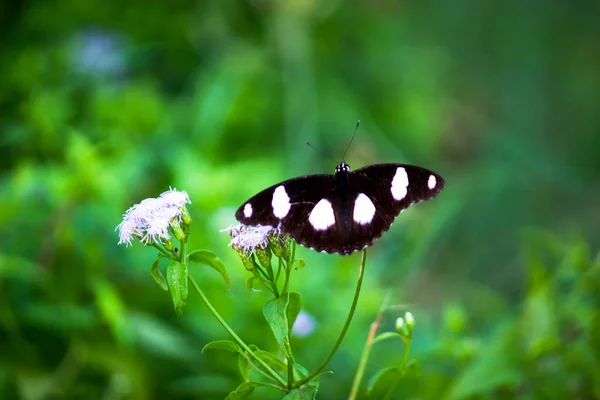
pixel 279 263
pixel 266 282
pixel 272 280
pixel 361 273
pixel 233 334
pixel 182 252
pixel 360 371
pixel 288 267
pixel 396 380
pixel 163 251
pixel 290 368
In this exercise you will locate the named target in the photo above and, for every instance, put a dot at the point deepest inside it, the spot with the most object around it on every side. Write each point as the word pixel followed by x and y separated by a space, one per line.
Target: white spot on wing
pixel 364 209
pixel 400 184
pixel 321 217
pixel 431 182
pixel 281 202
pixel 248 210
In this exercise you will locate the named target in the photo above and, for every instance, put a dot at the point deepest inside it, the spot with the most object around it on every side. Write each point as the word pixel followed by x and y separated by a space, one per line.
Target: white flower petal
pixel 176 198
pixel 250 238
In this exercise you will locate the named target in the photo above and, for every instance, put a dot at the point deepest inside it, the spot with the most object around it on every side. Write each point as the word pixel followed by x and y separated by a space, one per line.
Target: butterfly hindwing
pixel 344 212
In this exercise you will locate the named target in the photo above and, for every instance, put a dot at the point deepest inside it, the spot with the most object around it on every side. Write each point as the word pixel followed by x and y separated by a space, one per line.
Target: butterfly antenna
pixel 320 152
pixel 351 140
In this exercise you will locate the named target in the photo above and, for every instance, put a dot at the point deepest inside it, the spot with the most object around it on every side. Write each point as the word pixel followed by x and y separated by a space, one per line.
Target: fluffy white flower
pixel 175 198
pixel 250 238
pixel 149 220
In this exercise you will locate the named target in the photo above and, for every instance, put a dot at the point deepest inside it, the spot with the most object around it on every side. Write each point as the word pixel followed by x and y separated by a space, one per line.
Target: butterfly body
pixel 344 212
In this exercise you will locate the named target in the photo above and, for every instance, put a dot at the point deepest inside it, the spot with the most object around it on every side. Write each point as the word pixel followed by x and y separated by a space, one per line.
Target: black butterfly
pixel 344 212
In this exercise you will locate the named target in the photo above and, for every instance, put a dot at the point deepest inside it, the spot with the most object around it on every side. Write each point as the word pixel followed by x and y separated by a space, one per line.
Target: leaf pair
pixel 177 275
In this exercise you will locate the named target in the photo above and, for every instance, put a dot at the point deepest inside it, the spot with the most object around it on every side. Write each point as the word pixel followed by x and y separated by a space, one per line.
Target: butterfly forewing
pixel 270 207
pixel 344 212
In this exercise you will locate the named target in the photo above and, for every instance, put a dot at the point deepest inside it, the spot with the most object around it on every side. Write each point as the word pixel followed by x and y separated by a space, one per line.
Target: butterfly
pixel 343 212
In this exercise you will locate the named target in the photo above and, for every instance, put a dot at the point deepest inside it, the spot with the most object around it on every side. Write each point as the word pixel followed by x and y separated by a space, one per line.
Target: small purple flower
pixel 304 325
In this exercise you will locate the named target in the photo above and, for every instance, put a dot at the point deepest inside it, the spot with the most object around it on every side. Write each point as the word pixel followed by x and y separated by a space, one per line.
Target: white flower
pixel 150 219
pixel 175 198
pixel 250 238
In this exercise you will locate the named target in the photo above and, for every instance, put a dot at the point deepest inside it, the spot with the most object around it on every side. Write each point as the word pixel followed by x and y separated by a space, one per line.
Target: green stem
pixel 288 267
pixel 279 263
pixel 290 368
pixel 361 273
pixel 396 380
pixel 272 280
pixel 233 334
pixel 260 371
pixel 163 251
pixel 360 371
pixel 266 282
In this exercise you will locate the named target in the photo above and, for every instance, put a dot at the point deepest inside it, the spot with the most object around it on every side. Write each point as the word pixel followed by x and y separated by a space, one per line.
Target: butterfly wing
pixel 288 205
pixel 344 212
pixel 401 184
pixel 390 188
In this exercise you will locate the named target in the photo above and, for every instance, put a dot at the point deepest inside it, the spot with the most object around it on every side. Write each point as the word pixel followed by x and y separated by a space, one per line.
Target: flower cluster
pixel 259 240
pixel 150 220
pixel 256 245
pixel 405 325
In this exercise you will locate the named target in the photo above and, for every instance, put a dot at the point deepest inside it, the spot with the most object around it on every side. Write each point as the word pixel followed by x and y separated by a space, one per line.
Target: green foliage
pixel 209 258
pixel 177 277
pixel 308 392
pixel 157 275
pixel 223 345
pixel 108 103
pixel 280 313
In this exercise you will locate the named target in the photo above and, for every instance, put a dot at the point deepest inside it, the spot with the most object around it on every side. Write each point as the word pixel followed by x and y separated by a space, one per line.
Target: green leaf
pixel 298 264
pixel 304 392
pixel 300 372
pixel 271 360
pixel 223 345
pixel 380 383
pixel 495 365
pixel 320 374
pixel 275 312
pixel 209 258
pixel 243 391
pixel 250 283
pixel 157 275
pixel 244 366
pixel 293 309
pixel 387 335
pixel 178 284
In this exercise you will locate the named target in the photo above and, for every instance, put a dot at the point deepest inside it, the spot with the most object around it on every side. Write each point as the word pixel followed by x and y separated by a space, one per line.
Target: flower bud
pixel 186 218
pixel 264 256
pixel 280 245
pixel 177 229
pixel 246 257
pixel 410 322
pixel 401 326
pixel 168 244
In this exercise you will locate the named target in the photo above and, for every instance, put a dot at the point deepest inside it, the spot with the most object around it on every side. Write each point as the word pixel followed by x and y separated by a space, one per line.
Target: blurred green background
pixel 107 103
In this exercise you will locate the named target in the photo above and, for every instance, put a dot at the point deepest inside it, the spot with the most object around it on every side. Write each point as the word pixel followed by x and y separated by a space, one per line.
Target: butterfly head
pixel 342 167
